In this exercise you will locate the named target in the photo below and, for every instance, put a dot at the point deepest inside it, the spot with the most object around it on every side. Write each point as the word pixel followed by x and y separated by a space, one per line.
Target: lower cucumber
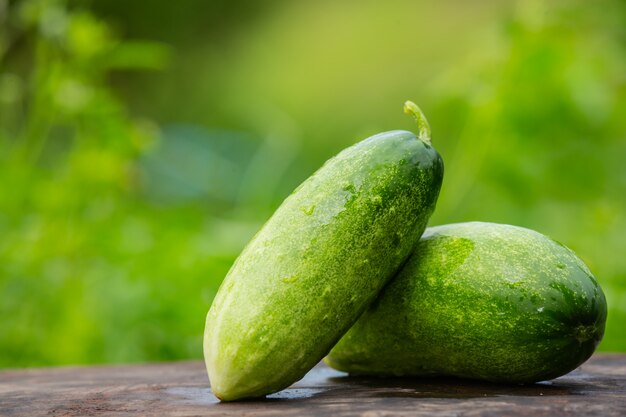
pixel 482 301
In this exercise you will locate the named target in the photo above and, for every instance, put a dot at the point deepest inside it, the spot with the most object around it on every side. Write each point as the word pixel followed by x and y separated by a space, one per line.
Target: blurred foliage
pixel 141 148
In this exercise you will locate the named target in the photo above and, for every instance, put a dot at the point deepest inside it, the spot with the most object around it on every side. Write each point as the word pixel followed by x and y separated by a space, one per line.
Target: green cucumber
pixel 483 301
pixel 319 261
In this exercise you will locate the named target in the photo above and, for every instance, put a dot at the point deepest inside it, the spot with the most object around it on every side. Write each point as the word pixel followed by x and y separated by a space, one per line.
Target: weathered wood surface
pixel 598 388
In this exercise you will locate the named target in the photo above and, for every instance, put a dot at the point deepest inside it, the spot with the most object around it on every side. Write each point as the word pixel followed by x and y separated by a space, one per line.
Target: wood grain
pixel 598 388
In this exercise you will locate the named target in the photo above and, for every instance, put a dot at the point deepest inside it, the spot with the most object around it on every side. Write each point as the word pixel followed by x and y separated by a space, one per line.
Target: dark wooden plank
pixel 598 388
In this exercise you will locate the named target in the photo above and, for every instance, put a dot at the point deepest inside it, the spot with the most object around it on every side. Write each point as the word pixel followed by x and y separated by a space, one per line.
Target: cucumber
pixel 319 261
pixel 483 301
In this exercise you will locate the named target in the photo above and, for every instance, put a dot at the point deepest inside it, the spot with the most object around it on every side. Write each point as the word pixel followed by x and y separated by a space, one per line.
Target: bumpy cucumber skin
pixel 318 262
pixel 482 301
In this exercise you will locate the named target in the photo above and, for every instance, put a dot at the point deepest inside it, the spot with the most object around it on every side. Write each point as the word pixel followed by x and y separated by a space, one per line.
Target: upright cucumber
pixel 483 301
pixel 318 262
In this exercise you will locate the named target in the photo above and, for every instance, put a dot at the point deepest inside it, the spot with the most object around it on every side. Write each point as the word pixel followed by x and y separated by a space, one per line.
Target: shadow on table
pixel 325 384
pixel 440 387
pixel 342 386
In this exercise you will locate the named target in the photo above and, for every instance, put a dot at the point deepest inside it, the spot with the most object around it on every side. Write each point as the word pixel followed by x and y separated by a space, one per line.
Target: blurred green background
pixel 142 145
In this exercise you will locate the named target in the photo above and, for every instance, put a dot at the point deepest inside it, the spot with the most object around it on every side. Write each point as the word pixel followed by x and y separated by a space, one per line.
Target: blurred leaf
pixel 141 55
pixel 87 36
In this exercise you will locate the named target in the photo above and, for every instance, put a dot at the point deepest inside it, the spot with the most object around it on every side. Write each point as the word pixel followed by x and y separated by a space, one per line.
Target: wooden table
pixel 598 388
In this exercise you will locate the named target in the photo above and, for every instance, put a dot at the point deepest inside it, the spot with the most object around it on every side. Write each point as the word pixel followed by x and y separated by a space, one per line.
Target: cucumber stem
pixel 423 128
